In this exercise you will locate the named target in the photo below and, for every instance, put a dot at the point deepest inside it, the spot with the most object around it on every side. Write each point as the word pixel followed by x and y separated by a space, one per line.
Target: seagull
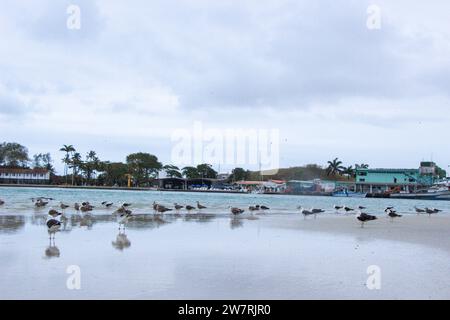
pixel 265 208
pixel 315 211
pixel 53 225
pixel 237 211
pixel 388 209
pixel 2 202
pixel 252 208
pixel 109 204
pixel 306 213
pixel 418 210
pixel 338 207
pixel 392 214
pixel 53 213
pixel 155 205
pixel 86 207
pixel 361 208
pixel 40 203
pixel 76 206
pixel 126 205
pixel 364 217
pixel 177 206
pixel 348 209
pixel 189 208
pixel 431 211
pixel 162 209
pixel 199 206
pixel 63 206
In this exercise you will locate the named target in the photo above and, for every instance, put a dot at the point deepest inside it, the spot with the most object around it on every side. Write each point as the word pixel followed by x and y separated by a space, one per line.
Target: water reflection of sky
pixel 190 257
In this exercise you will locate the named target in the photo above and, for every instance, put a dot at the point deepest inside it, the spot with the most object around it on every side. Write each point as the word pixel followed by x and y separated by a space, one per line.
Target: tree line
pixel 143 168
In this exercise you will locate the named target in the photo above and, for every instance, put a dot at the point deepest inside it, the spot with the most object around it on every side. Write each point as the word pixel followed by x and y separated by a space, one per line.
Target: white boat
pixel 436 192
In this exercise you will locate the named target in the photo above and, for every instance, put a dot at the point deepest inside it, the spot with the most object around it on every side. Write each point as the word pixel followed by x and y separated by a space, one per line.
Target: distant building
pixel 382 180
pixel 24 176
pixel 223 176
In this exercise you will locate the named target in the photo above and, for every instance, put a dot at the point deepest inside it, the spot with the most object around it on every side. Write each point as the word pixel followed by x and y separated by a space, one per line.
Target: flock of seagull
pixel 124 212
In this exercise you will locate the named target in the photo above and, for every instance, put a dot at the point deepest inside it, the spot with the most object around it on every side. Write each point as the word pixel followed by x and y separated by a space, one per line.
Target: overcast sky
pixel 138 70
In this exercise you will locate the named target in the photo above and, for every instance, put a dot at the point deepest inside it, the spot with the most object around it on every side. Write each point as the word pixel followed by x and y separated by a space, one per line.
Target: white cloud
pixel 137 70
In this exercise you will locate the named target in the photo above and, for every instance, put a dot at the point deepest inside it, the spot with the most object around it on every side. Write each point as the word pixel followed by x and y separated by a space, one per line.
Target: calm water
pixel 203 256
pixel 18 200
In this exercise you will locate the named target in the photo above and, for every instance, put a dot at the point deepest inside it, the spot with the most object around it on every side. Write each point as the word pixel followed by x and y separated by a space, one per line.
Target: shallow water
pixel 208 255
pixel 19 200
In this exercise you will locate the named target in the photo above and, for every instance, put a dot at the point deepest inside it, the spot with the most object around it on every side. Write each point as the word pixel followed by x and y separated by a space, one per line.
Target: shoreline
pixel 43 186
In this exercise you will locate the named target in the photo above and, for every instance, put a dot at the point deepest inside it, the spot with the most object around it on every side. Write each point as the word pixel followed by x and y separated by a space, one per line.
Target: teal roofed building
pixel 383 180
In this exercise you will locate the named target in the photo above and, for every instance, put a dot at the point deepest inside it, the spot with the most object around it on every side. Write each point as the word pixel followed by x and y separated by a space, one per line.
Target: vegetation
pixel 143 168
pixel 239 174
pixel 203 170
pixel 13 155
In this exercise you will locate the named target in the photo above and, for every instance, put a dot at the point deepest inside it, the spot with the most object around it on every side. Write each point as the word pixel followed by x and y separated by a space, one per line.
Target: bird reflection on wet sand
pixel 52 251
pixel 121 242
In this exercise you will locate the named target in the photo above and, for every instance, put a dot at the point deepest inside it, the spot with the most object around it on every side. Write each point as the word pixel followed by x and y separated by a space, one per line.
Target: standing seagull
pixel 337 208
pixel 2 202
pixel 392 214
pixel 53 223
pixel 178 207
pixel 418 210
pixel 364 217
pixel 306 213
pixel 348 209
pixel 237 211
pixel 189 208
pixel 431 211
pixel 199 206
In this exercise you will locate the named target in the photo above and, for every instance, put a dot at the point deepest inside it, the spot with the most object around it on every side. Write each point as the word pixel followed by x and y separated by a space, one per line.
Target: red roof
pixel 21 170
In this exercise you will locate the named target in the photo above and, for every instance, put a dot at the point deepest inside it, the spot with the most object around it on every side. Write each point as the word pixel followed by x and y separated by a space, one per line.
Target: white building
pixel 24 176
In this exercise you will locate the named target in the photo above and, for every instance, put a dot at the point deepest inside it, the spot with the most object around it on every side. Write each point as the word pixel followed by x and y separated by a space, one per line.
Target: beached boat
pixel 349 194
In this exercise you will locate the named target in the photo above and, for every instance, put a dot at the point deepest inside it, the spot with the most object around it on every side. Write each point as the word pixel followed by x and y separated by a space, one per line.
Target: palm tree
pixel 75 163
pixel 334 167
pixel 349 172
pixel 68 149
pixel 362 166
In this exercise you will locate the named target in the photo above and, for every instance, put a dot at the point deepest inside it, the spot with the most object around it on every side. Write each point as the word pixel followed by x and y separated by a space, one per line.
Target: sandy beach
pixel 266 256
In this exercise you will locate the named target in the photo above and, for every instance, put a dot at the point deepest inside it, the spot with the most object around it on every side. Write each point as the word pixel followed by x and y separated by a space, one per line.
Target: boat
pixel 349 194
pixel 433 193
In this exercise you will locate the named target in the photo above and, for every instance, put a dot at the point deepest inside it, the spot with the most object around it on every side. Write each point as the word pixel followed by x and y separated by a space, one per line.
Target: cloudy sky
pixel 136 71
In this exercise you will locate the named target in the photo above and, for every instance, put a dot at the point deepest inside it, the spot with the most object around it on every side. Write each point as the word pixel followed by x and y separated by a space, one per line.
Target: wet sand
pixel 266 256
pixel 433 231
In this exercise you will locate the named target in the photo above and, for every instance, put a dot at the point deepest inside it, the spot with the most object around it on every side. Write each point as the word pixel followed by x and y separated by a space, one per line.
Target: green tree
pixel 190 172
pixel 172 171
pixel 90 165
pixel 335 167
pixel 43 161
pixel 239 174
pixel 349 172
pixel 68 149
pixel 206 171
pixel 13 155
pixel 75 164
pixel 113 173
pixel 142 166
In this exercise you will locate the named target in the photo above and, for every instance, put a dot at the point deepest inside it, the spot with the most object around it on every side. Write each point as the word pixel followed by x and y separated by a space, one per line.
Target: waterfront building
pixel 24 176
pixel 386 180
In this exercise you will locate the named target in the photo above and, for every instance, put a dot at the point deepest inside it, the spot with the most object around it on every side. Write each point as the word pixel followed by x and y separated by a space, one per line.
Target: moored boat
pixel 349 194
